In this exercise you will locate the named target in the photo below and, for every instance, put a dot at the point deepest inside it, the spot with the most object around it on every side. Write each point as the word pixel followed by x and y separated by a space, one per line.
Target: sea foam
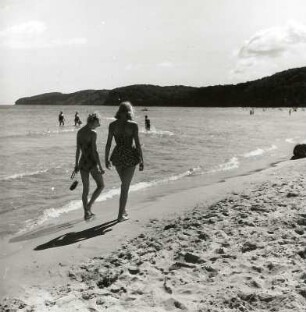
pixel 290 140
pixel 156 132
pixel 259 151
pixel 23 174
pixel 256 152
pixel 233 163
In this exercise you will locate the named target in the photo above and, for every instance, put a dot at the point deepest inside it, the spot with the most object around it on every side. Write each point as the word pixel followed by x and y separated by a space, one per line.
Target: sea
pixel 185 146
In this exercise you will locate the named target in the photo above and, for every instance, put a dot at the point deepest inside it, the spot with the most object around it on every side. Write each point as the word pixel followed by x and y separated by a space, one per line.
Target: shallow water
pixel 184 144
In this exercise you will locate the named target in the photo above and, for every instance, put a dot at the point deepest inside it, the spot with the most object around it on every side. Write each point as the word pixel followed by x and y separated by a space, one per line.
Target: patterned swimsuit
pixel 124 154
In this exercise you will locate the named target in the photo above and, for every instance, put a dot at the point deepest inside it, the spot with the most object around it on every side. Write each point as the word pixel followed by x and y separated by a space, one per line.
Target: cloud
pixel 31 35
pixel 137 66
pixel 67 42
pixel 165 64
pixel 30 28
pixel 141 66
pixel 8 4
pixel 269 51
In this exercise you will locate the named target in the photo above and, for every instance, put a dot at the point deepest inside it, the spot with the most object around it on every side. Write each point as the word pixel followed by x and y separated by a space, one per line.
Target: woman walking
pixel 89 163
pixel 125 155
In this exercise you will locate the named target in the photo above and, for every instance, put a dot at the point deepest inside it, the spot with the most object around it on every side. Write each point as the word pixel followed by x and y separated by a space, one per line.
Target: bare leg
pixel 85 182
pixel 97 176
pixel 126 175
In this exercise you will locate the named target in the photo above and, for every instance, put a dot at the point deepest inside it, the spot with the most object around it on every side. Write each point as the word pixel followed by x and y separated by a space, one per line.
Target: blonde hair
pixel 125 107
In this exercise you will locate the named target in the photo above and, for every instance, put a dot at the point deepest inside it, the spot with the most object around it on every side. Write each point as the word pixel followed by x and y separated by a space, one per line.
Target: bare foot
pixel 89 216
pixel 123 218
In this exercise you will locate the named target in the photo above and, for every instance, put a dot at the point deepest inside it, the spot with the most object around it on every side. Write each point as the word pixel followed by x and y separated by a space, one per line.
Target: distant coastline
pixel 283 89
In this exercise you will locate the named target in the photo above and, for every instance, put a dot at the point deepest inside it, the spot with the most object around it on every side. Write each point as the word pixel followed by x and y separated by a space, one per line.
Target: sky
pixel 71 45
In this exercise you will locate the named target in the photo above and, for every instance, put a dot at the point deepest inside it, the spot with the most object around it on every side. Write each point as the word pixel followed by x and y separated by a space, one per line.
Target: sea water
pixel 183 145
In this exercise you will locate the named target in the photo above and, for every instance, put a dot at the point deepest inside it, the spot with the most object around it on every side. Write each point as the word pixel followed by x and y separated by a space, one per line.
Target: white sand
pixel 232 246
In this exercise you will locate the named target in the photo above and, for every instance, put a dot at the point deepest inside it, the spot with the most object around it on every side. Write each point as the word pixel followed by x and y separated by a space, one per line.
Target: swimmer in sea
pixel 77 120
pixel 61 119
pixel 147 123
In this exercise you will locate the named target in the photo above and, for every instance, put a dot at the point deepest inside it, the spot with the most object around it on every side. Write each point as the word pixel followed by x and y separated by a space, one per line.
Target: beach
pixel 235 245
pixel 151 156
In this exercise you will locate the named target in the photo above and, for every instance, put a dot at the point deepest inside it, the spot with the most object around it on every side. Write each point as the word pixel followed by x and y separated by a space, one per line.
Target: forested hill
pixel 287 88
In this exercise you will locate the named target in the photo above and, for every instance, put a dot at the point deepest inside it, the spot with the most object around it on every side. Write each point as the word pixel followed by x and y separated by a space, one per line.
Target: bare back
pixel 86 141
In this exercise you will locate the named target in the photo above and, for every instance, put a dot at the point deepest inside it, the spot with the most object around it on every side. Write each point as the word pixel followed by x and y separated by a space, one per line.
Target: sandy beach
pixel 152 156
pixel 237 245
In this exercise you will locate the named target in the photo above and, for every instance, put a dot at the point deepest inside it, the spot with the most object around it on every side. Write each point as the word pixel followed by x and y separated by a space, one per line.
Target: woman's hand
pixel 101 170
pixel 107 164
pixel 141 166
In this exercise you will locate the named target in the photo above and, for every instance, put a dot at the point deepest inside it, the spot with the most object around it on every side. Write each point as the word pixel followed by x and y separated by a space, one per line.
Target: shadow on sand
pixel 74 237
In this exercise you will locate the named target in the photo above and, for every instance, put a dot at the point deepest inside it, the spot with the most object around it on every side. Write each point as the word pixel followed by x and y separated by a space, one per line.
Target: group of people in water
pixel 61 119
pixel 78 122
pixel 126 155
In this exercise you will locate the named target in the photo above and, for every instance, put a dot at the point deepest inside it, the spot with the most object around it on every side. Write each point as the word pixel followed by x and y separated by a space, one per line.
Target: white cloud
pixel 165 64
pixel 67 42
pixel 31 28
pixel 135 66
pixel 271 50
pixel 43 44
pixel 142 66
pixel 31 35
pixel 129 67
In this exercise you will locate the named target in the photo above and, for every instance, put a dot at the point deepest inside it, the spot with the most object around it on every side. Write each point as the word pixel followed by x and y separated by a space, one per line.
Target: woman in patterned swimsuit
pixel 125 156
pixel 89 162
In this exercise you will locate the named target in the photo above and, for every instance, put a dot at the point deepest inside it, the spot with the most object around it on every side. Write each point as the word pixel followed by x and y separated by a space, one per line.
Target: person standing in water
pixel 89 163
pixel 147 123
pixel 61 119
pixel 77 120
pixel 125 155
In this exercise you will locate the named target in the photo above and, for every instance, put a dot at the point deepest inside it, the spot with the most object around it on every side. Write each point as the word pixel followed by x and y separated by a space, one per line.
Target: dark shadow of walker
pixel 75 237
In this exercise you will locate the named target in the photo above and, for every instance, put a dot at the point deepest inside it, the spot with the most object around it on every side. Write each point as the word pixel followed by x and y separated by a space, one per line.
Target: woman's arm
pixel 108 146
pixel 138 146
pixel 95 151
pixel 77 154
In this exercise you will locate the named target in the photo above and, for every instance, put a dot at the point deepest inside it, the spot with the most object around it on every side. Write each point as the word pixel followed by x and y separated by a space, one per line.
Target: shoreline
pixel 60 248
pixel 150 192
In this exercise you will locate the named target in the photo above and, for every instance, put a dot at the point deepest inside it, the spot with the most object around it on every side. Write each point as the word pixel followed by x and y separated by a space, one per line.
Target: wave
pixel 47 132
pixel 272 148
pixel 48 214
pixel 24 174
pixel 232 164
pixel 259 151
pixel 50 132
pixel 54 213
pixel 154 131
pixel 290 140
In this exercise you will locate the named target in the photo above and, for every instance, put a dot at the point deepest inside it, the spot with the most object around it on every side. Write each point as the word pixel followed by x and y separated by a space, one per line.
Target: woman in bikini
pixel 89 163
pixel 125 155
